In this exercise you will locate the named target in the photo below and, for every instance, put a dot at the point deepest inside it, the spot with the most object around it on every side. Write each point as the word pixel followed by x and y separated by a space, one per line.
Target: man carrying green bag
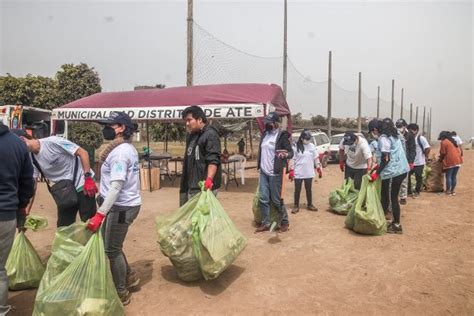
pixel 343 200
pixel 367 217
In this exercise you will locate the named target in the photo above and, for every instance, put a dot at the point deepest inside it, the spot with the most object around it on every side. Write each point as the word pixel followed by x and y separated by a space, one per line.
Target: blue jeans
pixel 270 192
pixel 451 175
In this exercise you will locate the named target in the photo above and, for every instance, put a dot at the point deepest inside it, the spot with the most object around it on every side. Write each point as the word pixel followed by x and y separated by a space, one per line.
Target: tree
pixel 36 91
pixel 174 131
pixel 88 136
pixel 297 119
pixel 319 120
pixel 76 81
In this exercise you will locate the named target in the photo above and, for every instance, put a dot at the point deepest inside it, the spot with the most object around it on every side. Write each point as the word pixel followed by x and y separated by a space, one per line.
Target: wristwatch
pixel 87 175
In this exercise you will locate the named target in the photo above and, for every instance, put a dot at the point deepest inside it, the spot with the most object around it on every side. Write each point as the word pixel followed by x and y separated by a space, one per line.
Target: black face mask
pixel 269 127
pixel 108 133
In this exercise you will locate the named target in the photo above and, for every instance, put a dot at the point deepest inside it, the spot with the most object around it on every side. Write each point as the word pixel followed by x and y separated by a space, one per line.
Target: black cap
pixel 373 124
pixel 272 117
pixel 400 123
pixel 305 135
pixel 349 138
pixel 121 118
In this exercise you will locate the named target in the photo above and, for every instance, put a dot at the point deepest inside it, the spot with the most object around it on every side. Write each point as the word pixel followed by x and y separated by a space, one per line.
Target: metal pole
pixel 378 102
pixel 359 107
pixel 149 154
pixel 401 106
pixel 431 120
pixel 411 112
pixel 424 113
pixel 189 66
pixel 393 99
pixel 285 53
pixel 329 116
pixel 416 117
pixel 251 141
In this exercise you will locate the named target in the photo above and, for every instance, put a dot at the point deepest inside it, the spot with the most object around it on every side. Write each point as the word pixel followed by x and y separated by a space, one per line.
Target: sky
pixel 426 46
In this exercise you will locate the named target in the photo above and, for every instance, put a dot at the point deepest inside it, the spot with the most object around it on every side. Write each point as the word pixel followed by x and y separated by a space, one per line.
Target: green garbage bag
pixel 35 222
pixel 342 200
pixel 257 212
pixel 426 173
pixel 368 217
pixel 200 239
pixel 69 241
pixel 85 287
pixel 24 266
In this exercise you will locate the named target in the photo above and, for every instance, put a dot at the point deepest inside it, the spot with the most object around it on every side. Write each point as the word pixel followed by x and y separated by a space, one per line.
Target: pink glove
pixel 291 175
pixel 341 165
pixel 90 189
pixel 209 183
pixel 95 221
pixel 412 165
pixel 374 176
pixel 320 172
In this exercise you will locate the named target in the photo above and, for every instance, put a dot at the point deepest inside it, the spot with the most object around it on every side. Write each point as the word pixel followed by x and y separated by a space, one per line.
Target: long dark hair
pixel 388 128
pixel 447 135
pixel 299 143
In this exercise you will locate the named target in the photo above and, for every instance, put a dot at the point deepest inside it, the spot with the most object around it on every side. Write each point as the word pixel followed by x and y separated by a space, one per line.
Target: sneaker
pixel 295 210
pixel 403 201
pixel 453 193
pixel 132 280
pixel 262 228
pixel 125 297
pixel 312 208
pixel 284 228
pixel 394 228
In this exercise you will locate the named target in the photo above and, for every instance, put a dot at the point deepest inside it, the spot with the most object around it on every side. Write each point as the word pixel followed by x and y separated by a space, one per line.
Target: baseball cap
pixel 400 123
pixel 305 135
pixel 121 118
pixel 373 124
pixel 349 138
pixel 272 117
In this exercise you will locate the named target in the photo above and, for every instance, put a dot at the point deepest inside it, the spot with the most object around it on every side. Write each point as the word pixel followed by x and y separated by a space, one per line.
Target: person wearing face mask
pixel 409 145
pixel 56 159
pixel 422 151
pixel 119 200
pixel 392 168
pixel 305 161
pixel 275 149
pixel 358 157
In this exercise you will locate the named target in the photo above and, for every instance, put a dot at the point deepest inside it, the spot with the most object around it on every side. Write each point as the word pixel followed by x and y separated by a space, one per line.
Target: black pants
pixel 308 183
pixel 392 195
pixel 86 207
pixel 355 174
pixel 418 171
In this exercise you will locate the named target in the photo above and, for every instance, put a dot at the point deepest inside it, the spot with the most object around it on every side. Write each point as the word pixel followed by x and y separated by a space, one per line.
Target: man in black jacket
pixel 274 150
pixel 16 189
pixel 408 141
pixel 202 158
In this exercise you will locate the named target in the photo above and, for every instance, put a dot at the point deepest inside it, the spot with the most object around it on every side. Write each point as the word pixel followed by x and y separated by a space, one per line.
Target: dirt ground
pixel 318 267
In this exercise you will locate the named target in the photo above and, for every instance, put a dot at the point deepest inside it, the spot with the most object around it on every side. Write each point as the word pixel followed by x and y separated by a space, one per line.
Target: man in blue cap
pixel 358 156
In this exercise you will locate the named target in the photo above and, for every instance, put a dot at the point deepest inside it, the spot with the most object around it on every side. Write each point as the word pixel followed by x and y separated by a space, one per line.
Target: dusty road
pixel 318 267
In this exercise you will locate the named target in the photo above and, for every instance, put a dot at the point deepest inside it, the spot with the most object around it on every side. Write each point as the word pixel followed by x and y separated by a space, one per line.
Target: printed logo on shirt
pixel 118 167
pixel 135 167
pixel 67 146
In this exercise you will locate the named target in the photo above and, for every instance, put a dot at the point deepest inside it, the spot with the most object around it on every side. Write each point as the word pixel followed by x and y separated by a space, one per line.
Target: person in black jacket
pixel 274 151
pixel 408 141
pixel 202 158
pixel 16 189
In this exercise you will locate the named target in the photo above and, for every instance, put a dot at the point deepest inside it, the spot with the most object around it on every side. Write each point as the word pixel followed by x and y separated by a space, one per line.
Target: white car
pixel 334 146
pixel 320 140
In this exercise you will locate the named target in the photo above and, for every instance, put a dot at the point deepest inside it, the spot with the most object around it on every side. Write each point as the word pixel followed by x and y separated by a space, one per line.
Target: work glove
pixel 95 221
pixel 341 165
pixel 21 219
pixel 412 165
pixel 320 172
pixel 208 184
pixel 374 176
pixel 90 189
pixel 291 175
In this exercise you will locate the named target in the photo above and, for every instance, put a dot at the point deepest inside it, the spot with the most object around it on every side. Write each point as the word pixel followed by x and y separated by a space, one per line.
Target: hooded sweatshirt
pixel 16 175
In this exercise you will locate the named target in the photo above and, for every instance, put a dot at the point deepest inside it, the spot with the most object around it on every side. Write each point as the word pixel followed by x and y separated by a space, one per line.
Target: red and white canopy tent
pixel 220 101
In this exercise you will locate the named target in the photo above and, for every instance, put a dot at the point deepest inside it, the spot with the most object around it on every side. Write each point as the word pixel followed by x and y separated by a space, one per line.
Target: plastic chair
pixel 240 166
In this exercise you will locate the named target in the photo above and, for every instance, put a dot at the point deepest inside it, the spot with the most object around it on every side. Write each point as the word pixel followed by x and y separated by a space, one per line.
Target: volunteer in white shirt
pixel 304 163
pixel 56 158
pixel 458 141
pixel 119 199
pixel 422 151
pixel 358 157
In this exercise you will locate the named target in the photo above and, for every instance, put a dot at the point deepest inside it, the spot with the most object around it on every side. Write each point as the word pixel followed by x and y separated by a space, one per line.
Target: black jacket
pixel 16 174
pixel 196 162
pixel 283 142
pixel 410 144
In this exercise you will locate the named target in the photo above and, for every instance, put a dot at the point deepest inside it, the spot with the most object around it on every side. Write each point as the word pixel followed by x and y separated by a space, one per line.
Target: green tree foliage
pixel 36 91
pixel 85 134
pixel 76 81
pixel 319 120
pixel 174 131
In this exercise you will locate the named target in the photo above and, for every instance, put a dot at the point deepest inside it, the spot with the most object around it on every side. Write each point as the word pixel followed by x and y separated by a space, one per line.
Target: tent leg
pixel 149 154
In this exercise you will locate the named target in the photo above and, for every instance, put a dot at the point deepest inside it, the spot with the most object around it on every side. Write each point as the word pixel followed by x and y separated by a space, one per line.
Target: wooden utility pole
pixel 411 112
pixel 329 94
pixel 431 121
pixel 251 139
pixel 401 106
pixel 393 98
pixel 189 66
pixel 416 117
pixel 378 102
pixel 424 113
pixel 285 52
pixel 359 107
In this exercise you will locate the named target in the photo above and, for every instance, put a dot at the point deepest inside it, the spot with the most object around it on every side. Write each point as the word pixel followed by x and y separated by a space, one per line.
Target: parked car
pixel 320 140
pixel 334 146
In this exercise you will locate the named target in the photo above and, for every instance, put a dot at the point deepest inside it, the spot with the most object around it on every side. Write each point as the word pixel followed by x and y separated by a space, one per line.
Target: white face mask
pixel 306 141
pixel 401 129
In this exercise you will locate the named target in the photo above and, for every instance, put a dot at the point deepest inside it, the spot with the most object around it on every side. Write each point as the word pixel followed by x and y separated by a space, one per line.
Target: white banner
pixel 171 113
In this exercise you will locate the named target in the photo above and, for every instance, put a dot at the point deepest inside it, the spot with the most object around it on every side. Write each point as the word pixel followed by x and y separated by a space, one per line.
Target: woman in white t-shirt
pixel 119 199
pixel 305 161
